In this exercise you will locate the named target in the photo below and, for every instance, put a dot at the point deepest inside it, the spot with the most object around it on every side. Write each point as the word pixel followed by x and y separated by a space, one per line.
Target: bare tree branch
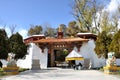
pixel 12 28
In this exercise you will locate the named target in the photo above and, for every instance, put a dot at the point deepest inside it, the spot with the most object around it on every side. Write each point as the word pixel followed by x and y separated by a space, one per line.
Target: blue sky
pixel 26 12
pixel 37 12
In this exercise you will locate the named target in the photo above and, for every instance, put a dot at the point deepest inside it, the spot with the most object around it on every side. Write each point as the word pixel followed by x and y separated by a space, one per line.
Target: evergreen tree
pixel 4 47
pixel 17 46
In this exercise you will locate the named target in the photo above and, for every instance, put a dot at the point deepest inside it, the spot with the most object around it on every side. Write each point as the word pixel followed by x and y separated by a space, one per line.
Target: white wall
pixel 38 54
pixel 87 51
pixel 34 53
pixel 43 59
pixel 26 63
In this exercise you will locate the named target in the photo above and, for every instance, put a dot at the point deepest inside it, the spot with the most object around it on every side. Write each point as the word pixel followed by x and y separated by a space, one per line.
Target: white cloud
pixel 113 6
pixel 8 31
pixel 23 32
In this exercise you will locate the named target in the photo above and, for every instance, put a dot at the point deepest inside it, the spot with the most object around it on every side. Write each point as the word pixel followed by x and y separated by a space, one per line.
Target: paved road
pixel 62 74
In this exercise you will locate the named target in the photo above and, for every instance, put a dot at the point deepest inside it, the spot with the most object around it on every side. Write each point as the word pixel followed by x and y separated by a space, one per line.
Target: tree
pixel 35 30
pixel 17 46
pixel 109 23
pixel 72 29
pixel 115 23
pixel 115 44
pixel 50 32
pixel 4 47
pixel 85 12
pixel 102 44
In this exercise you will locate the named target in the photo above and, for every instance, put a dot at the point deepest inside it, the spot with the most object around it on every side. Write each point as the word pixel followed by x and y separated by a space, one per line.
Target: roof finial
pixel 60 29
pixel 60 32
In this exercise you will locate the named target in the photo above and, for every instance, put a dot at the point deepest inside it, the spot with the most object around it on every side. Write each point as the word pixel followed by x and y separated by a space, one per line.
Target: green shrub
pixel 23 69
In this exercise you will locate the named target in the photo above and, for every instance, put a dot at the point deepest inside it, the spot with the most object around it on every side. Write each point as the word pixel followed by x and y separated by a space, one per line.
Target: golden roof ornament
pixel 60 29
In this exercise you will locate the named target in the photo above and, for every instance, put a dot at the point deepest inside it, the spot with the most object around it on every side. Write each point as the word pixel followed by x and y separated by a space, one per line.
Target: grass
pixel 23 69
pixel 1 72
pixel 101 69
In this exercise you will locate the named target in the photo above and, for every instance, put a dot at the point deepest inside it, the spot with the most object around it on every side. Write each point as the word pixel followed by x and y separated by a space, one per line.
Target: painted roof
pixel 56 40
pixel 87 35
pixel 35 36
pixel 83 33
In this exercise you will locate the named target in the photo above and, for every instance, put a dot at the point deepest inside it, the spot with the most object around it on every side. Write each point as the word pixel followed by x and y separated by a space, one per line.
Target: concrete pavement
pixel 62 74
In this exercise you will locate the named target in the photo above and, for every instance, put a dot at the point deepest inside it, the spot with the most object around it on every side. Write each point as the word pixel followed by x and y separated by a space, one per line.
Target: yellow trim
pixel 11 70
pixel 74 58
